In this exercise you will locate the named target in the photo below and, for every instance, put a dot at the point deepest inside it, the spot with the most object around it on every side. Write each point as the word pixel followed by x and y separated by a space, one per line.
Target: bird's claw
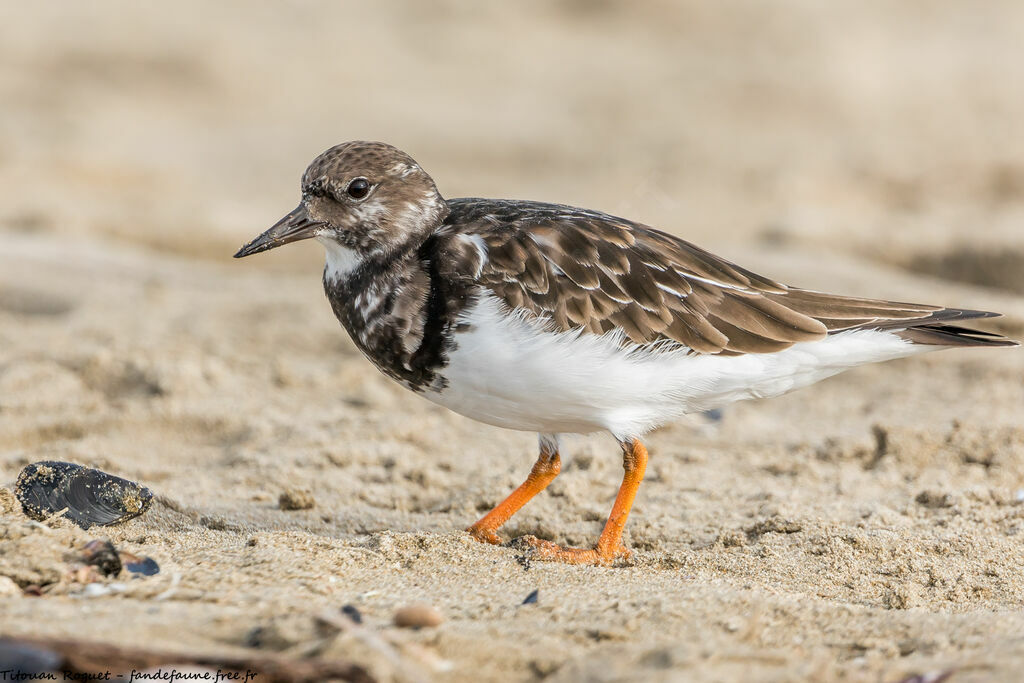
pixel 540 549
pixel 484 535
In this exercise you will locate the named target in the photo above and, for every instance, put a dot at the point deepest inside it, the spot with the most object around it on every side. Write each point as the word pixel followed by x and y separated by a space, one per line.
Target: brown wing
pixel 584 269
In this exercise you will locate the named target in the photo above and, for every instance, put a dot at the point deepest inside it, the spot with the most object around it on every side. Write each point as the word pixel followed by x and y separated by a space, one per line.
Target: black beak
pixel 292 228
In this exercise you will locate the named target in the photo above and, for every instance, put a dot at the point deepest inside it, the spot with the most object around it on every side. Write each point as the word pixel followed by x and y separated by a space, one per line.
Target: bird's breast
pixel 401 316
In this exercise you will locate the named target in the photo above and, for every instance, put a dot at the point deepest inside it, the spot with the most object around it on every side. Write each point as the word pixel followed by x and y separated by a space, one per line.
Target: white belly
pixel 510 372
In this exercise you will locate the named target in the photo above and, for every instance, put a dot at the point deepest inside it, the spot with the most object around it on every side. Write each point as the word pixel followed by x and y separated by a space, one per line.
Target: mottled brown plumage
pixel 585 269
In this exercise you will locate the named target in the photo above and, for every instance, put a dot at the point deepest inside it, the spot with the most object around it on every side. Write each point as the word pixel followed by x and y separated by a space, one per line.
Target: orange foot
pixel 484 534
pixel 602 555
pixel 609 546
pixel 544 471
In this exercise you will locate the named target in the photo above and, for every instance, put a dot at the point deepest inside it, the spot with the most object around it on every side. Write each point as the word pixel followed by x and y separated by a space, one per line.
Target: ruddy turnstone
pixel 554 319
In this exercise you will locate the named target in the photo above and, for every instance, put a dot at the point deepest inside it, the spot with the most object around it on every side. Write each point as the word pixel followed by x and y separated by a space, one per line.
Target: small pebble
pixel 8 587
pixel 96 590
pixel 931 677
pixel 296 499
pixel 352 612
pixel 418 616
pixel 935 499
pixel 531 599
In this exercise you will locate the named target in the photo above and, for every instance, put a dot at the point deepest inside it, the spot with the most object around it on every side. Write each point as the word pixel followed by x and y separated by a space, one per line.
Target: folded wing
pixel 584 269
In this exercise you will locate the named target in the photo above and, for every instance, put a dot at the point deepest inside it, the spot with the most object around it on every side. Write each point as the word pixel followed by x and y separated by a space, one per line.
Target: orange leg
pixel 544 471
pixel 609 546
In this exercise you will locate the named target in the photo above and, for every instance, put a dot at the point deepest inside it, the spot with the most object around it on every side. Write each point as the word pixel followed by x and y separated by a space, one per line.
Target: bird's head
pixel 360 197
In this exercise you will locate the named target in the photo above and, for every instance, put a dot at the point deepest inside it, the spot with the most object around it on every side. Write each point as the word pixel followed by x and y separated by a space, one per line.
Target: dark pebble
pixel 352 612
pixel 714 415
pixel 91 496
pixel 531 599
pixel 255 637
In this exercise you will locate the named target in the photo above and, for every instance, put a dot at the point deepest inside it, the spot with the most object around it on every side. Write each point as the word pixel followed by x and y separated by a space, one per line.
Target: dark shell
pixel 90 496
pixel 103 556
pixel 146 566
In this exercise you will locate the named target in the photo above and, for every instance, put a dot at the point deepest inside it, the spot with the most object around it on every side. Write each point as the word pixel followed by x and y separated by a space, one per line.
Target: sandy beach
pixel 868 528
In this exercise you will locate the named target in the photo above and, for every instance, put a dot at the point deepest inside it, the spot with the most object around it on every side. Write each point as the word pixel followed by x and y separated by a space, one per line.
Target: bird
pixel 560 320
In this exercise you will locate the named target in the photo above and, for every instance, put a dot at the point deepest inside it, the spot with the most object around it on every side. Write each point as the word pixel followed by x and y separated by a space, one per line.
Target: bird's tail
pixel 938 330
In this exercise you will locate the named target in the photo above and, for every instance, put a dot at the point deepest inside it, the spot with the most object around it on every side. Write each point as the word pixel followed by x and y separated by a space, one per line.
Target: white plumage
pixel 509 371
pixel 341 261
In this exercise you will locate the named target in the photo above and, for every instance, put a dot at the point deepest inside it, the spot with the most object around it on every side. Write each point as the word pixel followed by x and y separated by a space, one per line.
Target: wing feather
pixel 586 270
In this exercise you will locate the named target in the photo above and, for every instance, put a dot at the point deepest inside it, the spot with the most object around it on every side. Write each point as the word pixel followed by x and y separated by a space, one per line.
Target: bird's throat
pixel 341 260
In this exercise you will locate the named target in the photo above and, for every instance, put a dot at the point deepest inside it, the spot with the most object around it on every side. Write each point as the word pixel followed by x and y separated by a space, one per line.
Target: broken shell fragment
pixel 102 555
pixel 90 496
pixel 146 566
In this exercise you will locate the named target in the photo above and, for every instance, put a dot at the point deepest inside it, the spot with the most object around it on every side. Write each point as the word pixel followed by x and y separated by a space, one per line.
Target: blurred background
pixel 892 130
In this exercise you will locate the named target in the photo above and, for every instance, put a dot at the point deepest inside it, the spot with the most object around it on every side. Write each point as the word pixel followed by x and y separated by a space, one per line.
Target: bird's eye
pixel 358 188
